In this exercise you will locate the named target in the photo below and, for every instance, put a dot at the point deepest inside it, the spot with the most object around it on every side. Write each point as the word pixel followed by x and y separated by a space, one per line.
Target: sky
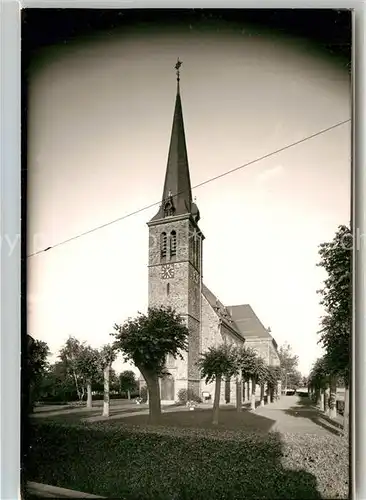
pixel 100 117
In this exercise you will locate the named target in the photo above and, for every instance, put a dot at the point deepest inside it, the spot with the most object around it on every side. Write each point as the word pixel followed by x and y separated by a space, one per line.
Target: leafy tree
pixel 294 380
pixel 88 366
pixel 336 325
pixel 259 376
pixel 215 364
pixel 246 363
pixel 273 376
pixel 107 357
pixel 127 382
pixel 289 363
pixel 147 340
pixel 69 355
pixel 38 352
pixel 83 363
pixel 319 380
pixel 58 384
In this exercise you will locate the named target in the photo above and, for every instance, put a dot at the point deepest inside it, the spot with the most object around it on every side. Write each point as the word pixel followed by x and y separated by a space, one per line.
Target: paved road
pixel 292 416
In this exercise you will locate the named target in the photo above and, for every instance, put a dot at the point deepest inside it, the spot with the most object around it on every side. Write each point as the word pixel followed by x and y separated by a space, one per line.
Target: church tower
pixel 175 257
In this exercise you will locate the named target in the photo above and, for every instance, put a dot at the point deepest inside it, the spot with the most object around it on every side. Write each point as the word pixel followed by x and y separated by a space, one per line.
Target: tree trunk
pixel 262 395
pixel 239 391
pixel 279 389
pixel 31 397
pixel 89 401
pixel 216 405
pixel 152 382
pixel 128 395
pixel 318 397
pixel 245 391
pixel 326 401
pixel 321 400
pixel 252 399
pixel 346 411
pixel 271 394
pixel 249 397
pixel 333 398
pixel 106 392
pixel 80 395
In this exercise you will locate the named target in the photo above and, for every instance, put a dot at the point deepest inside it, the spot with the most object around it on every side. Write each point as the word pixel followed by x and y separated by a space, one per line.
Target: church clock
pixel 167 271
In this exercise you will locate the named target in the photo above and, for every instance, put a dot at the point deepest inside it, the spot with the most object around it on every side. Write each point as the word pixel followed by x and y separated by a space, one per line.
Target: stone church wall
pixel 273 355
pixel 210 336
pixel 261 346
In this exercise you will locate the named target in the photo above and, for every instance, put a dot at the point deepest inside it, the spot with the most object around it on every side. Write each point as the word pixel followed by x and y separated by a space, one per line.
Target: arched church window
pixel 173 244
pixel 163 245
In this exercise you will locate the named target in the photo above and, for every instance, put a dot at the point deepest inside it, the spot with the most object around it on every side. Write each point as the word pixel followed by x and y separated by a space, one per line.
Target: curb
pixel 47 491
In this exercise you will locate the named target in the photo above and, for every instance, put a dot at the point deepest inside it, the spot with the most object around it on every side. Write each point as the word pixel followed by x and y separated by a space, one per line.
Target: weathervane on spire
pixel 177 66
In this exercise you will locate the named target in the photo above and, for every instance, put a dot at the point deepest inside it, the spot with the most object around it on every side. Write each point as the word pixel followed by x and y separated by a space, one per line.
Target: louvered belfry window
pixel 163 245
pixel 173 244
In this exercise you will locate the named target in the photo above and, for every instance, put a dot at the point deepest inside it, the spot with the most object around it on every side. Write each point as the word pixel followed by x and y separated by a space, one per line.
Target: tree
pixel 294 380
pixel 259 376
pixel 69 355
pixel 273 376
pixel 127 382
pixel 319 381
pixel 107 357
pixel 147 340
pixel 246 359
pixel 214 364
pixel 88 367
pixel 58 384
pixel 82 362
pixel 289 363
pixel 336 324
pixel 38 352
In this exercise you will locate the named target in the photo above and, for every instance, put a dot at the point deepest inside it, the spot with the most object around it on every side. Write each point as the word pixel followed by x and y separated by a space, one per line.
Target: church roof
pixel 248 322
pixel 177 187
pixel 177 193
pixel 220 310
pixel 242 319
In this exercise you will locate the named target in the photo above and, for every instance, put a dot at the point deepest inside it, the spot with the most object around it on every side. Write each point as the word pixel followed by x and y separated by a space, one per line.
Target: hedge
pixel 185 464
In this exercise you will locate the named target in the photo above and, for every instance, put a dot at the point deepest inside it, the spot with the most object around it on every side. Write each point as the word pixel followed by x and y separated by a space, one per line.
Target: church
pixel 175 279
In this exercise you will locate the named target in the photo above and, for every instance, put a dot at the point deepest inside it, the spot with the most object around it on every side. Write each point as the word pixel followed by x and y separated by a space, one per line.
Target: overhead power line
pixel 211 179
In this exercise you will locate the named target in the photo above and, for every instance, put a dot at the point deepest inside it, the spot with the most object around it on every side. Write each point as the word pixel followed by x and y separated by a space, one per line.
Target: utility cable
pixel 268 155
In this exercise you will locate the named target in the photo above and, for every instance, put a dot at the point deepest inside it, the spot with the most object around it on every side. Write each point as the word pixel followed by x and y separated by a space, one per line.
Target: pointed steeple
pixel 177 194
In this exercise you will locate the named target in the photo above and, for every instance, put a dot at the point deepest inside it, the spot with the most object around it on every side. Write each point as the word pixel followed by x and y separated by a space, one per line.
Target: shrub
pixel 185 395
pixel 149 464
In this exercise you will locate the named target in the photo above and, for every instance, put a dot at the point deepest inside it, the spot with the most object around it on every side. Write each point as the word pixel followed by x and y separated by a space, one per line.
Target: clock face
pixel 167 271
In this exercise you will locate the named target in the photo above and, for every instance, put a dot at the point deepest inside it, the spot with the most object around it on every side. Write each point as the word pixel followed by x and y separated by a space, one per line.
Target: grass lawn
pixel 229 419
pixel 185 458
pixel 76 416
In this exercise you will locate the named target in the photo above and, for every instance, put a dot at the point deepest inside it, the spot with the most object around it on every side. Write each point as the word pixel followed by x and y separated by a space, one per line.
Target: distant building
pixel 175 279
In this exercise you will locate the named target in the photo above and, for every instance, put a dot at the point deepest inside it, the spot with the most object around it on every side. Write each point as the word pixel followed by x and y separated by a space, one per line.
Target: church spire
pixel 177 194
